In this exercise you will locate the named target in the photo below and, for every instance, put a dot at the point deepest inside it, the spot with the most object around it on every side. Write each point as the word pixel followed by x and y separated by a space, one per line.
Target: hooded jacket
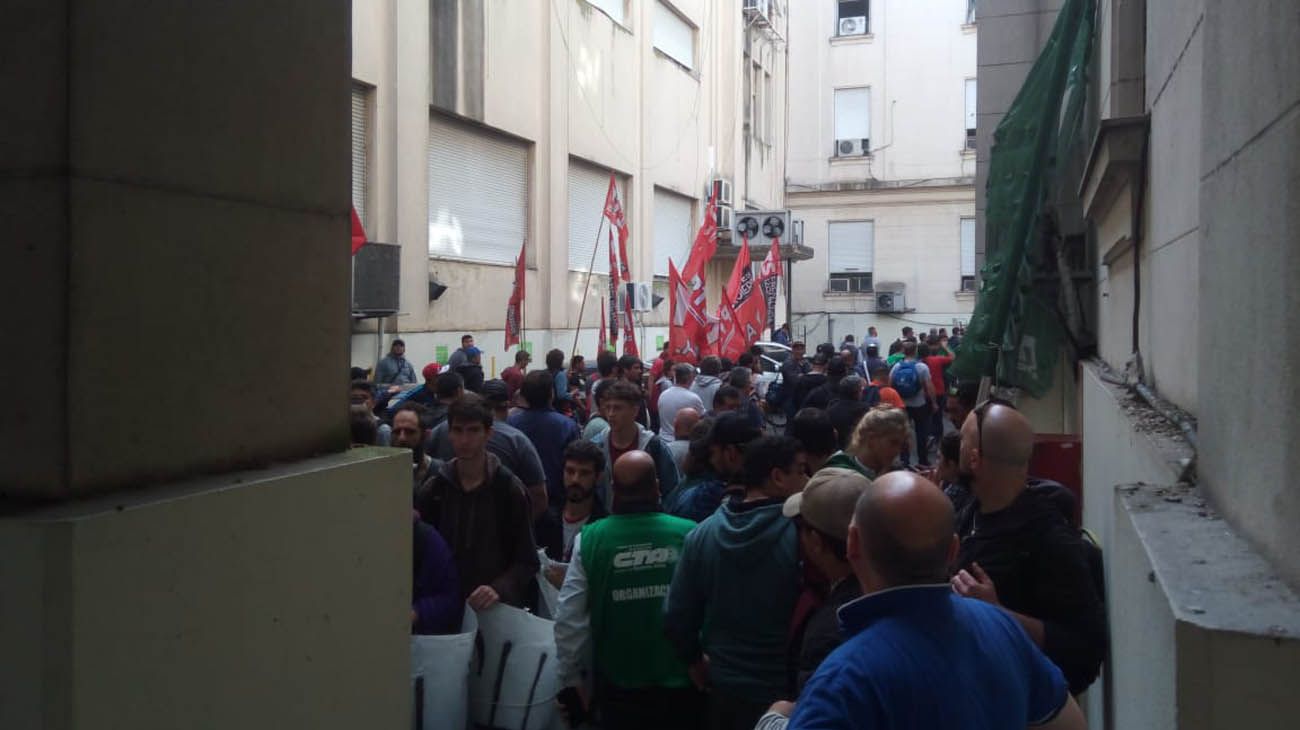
pixel 698 498
pixel 1042 567
pixel 648 442
pixel 488 529
pixel 732 595
pixel 706 386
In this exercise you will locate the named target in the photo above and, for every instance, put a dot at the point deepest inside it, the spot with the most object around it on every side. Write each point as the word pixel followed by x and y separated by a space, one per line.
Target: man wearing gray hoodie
pixel 735 586
pixel 707 382
pixel 621 401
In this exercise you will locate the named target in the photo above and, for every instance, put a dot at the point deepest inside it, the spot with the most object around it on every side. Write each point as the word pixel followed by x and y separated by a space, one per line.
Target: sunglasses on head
pixel 979 412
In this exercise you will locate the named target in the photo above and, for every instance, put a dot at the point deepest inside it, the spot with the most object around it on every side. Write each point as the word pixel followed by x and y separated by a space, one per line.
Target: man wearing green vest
pixel 611 609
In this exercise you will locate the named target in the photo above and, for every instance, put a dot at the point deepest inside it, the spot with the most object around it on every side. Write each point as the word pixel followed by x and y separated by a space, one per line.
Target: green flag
pixel 1014 332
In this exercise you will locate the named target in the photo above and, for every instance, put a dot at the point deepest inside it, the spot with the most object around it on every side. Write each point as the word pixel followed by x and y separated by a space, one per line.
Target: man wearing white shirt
pixel 676 398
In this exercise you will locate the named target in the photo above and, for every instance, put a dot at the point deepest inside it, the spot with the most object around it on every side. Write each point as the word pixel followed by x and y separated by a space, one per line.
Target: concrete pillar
pixel 175 197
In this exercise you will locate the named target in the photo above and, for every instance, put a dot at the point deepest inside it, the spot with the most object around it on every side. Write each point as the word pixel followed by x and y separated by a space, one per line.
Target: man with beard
pixel 408 433
pixel 583 465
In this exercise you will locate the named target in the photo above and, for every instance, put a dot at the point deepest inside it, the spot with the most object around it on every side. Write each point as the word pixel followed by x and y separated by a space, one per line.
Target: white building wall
pixel 568 81
pixel 916 183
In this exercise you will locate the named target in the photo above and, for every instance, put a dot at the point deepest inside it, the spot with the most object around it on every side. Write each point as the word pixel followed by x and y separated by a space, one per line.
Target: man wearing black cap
pixel 508 443
pixel 728 437
pixel 395 368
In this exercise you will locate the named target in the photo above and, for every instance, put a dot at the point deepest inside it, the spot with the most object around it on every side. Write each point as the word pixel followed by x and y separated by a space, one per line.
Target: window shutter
pixel 970 103
pixel 673 35
pixel 587 187
pixel 478 193
pixel 852 114
pixel 852 247
pixel 673 231
pixel 967 246
pixel 360 152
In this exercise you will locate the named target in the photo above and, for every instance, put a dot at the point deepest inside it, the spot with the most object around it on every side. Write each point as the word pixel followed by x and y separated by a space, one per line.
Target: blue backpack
pixel 907 379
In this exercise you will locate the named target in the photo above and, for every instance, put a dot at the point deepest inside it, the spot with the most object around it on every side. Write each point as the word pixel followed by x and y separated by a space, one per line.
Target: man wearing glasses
pixel 1020 549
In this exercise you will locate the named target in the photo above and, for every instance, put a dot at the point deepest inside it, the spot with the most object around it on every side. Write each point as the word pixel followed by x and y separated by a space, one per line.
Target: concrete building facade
pixel 882 164
pixel 1188 188
pixel 546 99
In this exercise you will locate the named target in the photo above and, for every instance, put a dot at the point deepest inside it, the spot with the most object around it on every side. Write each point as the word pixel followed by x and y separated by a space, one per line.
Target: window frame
pixel 839 16
pixel 970 112
pixel 850 282
pixel 663 6
pixel 835 120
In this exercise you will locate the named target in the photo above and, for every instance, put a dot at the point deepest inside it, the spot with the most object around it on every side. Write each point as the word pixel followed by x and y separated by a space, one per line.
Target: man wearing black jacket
pixel 1019 549
pixel 481 510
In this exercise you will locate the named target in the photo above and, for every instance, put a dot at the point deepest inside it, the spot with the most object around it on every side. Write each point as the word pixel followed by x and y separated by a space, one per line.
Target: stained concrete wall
pixel 152 159
pixel 257 599
pixel 1249 200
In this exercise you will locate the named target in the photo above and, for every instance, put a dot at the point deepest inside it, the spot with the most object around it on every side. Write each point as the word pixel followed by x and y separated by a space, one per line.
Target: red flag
pixel 769 276
pixel 514 308
pixel 358 233
pixel 613 289
pixel 706 244
pixel 686 322
pixel 618 222
pixel 749 310
pixel 731 341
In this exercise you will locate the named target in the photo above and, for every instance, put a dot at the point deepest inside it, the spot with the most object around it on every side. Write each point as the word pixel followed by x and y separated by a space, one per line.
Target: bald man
pixel 916 655
pixel 612 602
pixel 1020 549
pixel 683 422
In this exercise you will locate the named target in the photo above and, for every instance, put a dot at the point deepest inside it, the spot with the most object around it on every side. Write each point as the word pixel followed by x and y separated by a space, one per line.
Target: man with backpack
pixel 911 378
pixel 1021 550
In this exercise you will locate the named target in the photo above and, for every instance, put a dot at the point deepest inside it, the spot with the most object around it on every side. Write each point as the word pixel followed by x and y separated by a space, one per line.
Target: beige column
pixel 179 548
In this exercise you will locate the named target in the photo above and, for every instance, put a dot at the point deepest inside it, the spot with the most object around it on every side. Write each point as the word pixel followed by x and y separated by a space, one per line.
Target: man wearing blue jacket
pixel 735 587
pixel 916 654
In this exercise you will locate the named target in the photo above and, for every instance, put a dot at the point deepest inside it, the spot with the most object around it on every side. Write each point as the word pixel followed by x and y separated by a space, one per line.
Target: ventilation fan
pixel 747 226
pixel 773 226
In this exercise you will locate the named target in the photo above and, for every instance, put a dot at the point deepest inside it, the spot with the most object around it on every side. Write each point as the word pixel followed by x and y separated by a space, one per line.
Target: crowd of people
pixel 882 558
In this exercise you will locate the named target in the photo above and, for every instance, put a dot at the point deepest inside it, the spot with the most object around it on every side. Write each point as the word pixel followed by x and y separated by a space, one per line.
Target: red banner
pixel 769 280
pixel 604 332
pixel 358 233
pixel 749 309
pixel 687 326
pixel 514 308
pixel 613 289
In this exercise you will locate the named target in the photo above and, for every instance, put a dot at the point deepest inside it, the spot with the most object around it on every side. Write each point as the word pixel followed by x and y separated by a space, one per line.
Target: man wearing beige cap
pixel 822 512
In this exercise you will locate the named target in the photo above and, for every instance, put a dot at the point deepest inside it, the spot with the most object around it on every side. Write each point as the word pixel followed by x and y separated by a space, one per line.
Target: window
pixel 852 255
pixel 615 9
pixel 361 151
pixel 967 254
pixel 478 193
pixel 852 122
pixel 673 230
pixel 854 17
pixel 970 114
pixel 588 185
pixel 970 11
pixel 673 35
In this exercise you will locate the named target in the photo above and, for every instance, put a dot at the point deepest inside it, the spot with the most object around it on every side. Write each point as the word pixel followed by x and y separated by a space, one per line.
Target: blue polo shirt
pixel 924 657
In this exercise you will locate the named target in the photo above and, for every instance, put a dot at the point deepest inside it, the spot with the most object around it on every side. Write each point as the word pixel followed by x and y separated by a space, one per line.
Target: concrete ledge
pixel 274 598
pixel 1205 634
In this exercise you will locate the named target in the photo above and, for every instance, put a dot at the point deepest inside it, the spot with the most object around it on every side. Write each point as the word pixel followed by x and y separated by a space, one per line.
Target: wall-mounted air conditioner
pixel 852 147
pixel 720 188
pixel 890 301
pixel 640 294
pixel 724 220
pixel 761 226
pixel 856 25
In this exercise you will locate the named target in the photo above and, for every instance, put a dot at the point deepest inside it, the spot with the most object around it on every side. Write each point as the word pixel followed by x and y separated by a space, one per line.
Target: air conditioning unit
pixel 890 301
pixel 640 294
pixel 720 188
pixel 796 233
pixel 763 225
pixel 376 270
pixel 724 221
pixel 758 11
pixel 852 147
pixel 856 25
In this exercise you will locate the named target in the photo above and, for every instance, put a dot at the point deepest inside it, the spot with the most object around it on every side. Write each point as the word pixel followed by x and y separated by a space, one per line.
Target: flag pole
pixel 587 286
pixel 523 305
